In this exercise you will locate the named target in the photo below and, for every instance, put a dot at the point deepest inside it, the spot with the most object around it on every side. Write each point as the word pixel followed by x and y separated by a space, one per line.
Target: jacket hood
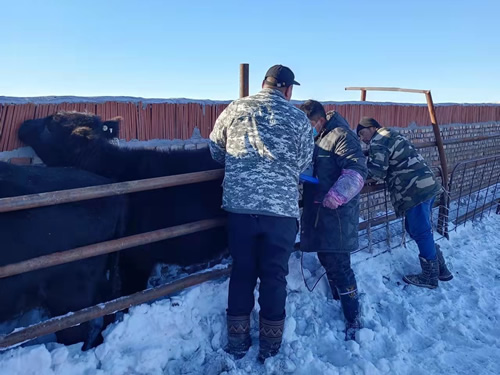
pixel 335 120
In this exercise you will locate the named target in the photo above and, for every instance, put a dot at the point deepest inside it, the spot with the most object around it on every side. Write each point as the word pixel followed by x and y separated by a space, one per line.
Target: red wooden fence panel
pixel 167 120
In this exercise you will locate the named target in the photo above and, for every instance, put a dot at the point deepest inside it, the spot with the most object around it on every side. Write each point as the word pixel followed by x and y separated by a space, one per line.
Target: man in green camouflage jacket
pixel 413 189
pixel 265 143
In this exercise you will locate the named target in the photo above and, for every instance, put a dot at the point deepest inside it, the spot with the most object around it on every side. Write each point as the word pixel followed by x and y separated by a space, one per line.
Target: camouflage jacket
pixel 324 229
pixel 394 160
pixel 265 143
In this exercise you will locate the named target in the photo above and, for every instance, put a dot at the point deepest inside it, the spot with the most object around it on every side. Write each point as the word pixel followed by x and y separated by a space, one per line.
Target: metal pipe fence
pixel 475 189
pixel 73 195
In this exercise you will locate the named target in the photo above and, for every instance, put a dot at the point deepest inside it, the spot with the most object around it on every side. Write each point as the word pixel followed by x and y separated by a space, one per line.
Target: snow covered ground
pixel 454 329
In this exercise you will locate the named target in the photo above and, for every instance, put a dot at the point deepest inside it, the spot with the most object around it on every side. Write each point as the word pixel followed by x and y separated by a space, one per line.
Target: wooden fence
pixel 177 120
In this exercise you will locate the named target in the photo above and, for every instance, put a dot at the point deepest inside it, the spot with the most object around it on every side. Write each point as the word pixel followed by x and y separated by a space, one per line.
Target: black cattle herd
pixel 77 152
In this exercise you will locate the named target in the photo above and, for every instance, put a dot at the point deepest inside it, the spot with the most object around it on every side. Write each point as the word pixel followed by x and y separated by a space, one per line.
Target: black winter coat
pixel 324 229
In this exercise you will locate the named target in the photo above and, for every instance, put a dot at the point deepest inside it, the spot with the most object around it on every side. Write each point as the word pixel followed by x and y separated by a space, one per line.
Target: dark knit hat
pixel 367 122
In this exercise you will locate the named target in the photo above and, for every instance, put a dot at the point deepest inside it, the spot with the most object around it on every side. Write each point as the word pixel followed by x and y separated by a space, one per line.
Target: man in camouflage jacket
pixel 265 143
pixel 330 217
pixel 413 189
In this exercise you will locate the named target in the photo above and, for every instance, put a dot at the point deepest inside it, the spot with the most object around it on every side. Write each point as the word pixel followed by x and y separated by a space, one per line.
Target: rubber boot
pixel 350 307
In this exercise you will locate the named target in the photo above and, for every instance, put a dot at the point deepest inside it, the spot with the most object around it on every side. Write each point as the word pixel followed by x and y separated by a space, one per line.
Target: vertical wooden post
pixel 444 206
pixel 244 74
pixel 363 95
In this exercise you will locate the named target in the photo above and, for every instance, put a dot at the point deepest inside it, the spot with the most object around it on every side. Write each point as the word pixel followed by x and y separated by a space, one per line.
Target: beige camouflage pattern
pixel 394 160
pixel 265 143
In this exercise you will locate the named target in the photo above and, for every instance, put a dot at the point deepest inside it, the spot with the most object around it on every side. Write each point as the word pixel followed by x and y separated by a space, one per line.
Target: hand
pixel 333 200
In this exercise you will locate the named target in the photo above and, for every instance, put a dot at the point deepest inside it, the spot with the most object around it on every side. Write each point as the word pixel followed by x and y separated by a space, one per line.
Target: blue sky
pixel 192 49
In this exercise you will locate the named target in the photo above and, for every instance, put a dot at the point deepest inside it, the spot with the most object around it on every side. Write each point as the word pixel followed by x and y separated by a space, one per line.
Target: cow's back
pixel 40 231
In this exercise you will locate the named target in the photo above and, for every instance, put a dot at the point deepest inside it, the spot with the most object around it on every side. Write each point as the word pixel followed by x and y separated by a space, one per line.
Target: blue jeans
pixel 419 227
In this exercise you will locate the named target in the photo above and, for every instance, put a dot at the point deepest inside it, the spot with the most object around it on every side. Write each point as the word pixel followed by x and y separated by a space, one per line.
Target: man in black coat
pixel 330 215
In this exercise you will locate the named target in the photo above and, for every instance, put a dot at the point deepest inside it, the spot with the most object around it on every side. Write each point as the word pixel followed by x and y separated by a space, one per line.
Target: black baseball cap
pixel 280 76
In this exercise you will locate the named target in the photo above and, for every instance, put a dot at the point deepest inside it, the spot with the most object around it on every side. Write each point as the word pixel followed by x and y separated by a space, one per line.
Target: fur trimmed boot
pixel 271 335
pixel 444 272
pixel 238 335
pixel 429 276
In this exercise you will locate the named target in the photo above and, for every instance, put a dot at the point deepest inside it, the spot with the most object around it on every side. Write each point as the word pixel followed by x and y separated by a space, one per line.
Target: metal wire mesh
pixel 474 190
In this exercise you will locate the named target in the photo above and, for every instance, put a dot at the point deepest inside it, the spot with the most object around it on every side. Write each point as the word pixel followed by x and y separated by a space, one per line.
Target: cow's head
pixel 58 138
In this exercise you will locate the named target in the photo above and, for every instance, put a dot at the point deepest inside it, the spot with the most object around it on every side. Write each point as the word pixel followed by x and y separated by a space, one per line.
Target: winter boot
pixel 444 272
pixel 350 307
pixel 238 335
pixel 429 276
pixel 271 334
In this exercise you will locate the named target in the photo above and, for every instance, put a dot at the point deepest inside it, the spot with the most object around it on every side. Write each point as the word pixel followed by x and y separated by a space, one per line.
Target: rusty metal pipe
pixel 387 89
pixel 101 248
pixel 244 80
pixel 446 142
pixel 444 208
pixel 92 192
pixel 437 135
pixel 89 313
pixel 377 221
pixel 372 188
pixel 470 139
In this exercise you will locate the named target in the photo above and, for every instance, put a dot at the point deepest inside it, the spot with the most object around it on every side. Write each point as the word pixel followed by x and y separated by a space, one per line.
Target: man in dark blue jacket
pixel 331 208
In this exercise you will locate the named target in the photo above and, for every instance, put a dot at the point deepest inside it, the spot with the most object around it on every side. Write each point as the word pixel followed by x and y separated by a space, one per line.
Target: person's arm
pixel 306 145
pixel 218 136
pixel 378 161
pixel 350 158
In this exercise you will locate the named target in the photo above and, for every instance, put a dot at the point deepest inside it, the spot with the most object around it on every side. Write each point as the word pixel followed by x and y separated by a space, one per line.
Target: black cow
pixel 40 231
pixel 76 139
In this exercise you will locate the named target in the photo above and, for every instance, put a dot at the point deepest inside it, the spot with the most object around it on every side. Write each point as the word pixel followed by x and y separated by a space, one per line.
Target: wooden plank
pixel 72 319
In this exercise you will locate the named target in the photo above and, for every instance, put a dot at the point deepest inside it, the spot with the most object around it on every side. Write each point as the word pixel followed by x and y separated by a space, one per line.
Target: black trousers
pixel 342 283
pixel 338 269
pixel 260 246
